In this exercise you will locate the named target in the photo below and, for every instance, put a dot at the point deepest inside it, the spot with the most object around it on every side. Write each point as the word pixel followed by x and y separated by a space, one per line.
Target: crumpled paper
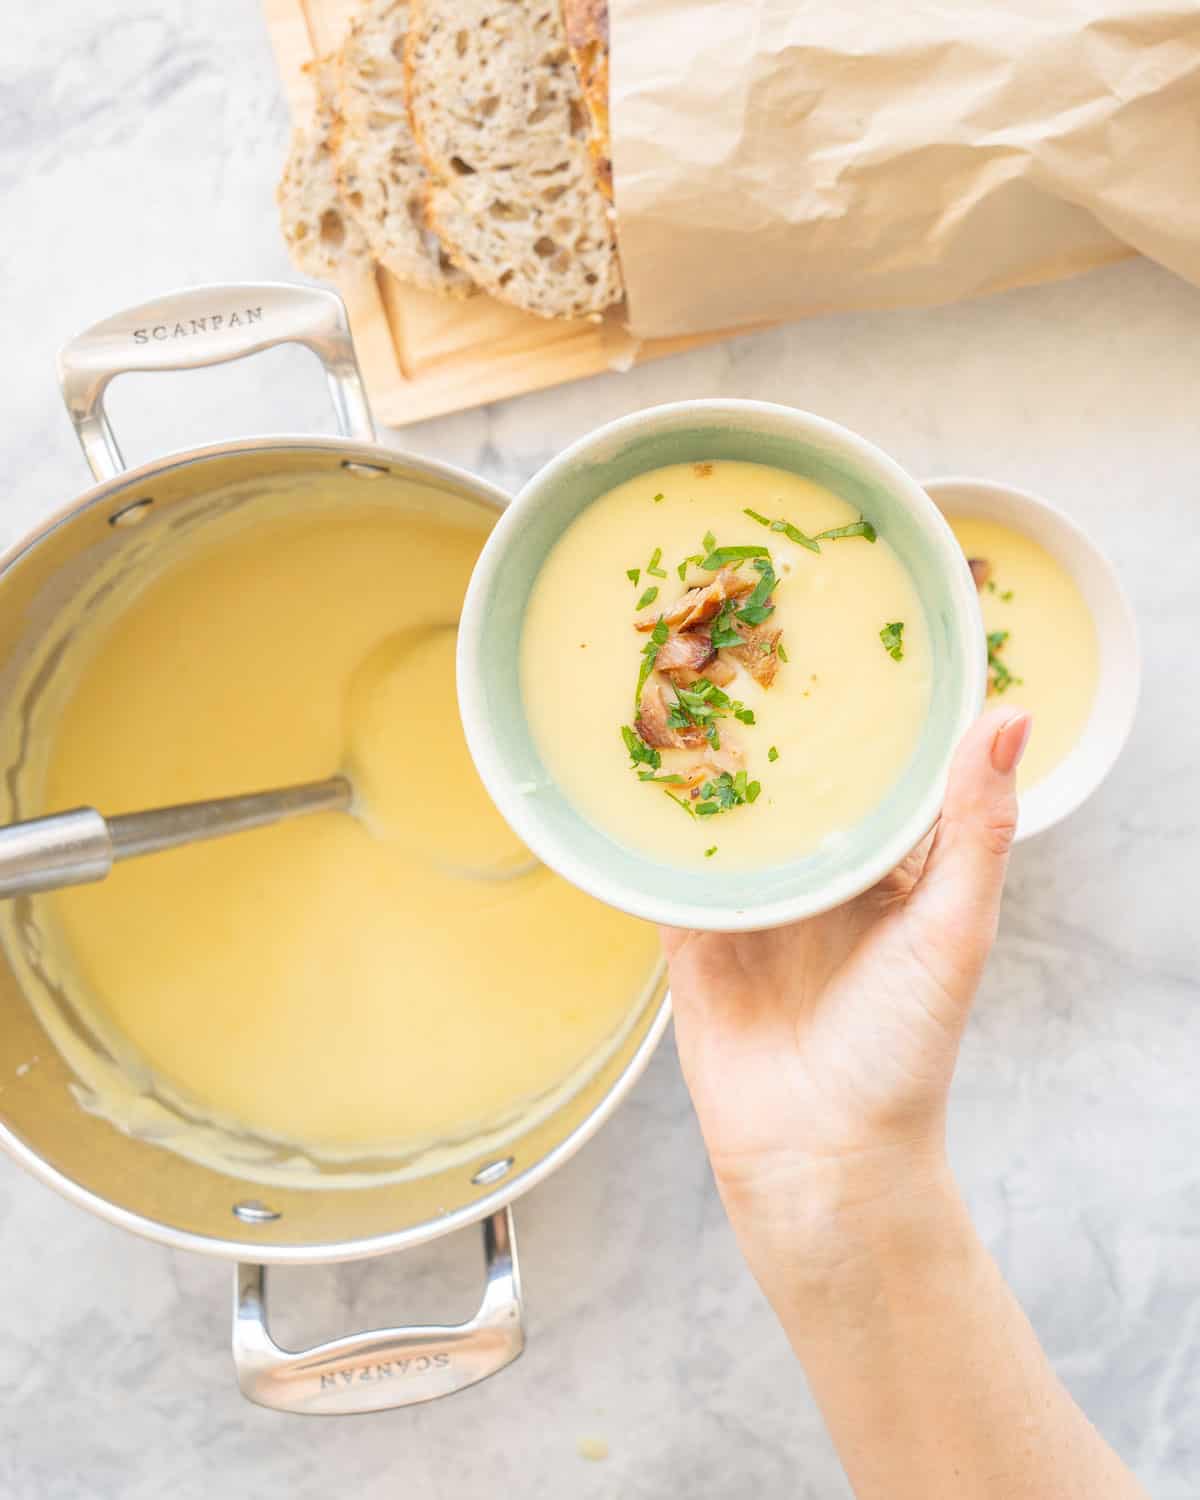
pixel 776 158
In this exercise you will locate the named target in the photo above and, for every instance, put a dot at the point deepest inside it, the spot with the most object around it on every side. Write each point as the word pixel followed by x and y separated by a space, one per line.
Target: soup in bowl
pixel 714 661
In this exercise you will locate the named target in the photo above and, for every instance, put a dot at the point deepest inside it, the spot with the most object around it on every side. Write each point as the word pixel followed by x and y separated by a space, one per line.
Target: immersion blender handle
pixel 208 325
pixel 81 846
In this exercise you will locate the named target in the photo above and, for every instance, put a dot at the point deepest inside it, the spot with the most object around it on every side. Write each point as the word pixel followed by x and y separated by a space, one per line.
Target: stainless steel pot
pixel 103 541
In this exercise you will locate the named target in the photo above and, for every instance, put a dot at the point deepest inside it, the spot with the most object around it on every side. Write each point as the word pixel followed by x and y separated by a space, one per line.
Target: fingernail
pixel 1009 745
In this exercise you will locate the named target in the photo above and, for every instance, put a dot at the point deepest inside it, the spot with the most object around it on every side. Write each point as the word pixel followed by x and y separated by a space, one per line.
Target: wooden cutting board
pixel 423 355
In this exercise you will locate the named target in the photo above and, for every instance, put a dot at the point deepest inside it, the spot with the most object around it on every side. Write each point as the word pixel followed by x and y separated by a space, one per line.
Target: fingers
pixel 957 901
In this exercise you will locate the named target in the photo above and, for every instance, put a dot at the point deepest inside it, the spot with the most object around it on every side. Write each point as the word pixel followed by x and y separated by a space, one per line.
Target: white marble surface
pixel 138 149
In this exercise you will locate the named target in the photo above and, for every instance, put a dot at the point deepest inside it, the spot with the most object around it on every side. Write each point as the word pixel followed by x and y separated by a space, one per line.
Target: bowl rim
pixel 663 909
pixel 1072 793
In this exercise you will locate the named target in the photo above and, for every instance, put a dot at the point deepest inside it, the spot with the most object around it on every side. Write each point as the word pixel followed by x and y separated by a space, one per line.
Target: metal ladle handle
pixel 81 846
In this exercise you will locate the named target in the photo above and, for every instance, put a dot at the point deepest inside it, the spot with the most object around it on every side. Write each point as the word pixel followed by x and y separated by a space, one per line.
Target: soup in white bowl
pixel 724 661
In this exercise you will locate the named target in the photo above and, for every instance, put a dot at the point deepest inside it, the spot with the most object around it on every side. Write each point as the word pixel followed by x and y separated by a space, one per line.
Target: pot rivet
pixel 493 1172
pixel 251 1211
pixel 363 471
pixel 131 515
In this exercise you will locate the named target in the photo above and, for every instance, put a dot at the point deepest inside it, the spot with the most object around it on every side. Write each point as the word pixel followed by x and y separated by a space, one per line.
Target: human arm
pixel 819 1058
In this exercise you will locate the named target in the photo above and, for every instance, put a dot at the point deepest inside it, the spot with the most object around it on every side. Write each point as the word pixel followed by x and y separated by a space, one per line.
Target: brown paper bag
pixel 774 159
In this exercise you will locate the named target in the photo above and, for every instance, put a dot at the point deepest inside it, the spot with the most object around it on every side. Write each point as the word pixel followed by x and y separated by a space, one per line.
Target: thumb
pixel 956 904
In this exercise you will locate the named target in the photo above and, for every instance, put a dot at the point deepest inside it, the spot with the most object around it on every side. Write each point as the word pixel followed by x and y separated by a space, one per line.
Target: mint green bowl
pixel 489 642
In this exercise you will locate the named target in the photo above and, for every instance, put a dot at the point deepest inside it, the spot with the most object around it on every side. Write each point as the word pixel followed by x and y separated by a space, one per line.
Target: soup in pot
pixel 383 981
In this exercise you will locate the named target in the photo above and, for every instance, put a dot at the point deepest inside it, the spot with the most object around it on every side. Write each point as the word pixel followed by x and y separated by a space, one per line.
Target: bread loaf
pixel 498 115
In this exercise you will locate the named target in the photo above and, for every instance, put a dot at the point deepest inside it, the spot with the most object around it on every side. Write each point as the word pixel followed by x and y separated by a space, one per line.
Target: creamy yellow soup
pixel 846 636
pixel 1043 651
pixel 346 984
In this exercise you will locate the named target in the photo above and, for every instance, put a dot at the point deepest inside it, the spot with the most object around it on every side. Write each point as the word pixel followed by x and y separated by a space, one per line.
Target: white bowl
pixel 489 686
pixel 1074 779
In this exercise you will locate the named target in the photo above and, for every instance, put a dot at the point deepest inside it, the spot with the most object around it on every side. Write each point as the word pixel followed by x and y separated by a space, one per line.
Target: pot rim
pixel 181 457
pixel 372 1245
pixel 380 1244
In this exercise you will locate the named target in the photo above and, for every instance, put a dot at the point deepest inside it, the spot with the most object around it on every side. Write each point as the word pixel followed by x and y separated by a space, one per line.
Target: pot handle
pixel 207 325
pixel 388 1367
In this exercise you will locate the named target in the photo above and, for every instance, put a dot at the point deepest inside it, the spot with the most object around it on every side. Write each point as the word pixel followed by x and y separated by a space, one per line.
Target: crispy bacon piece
pixel 981 571
pixel 718 671
pixel 686 656
pixel 686 651
pixel 698 605
pixel 759 651
pixel 651 724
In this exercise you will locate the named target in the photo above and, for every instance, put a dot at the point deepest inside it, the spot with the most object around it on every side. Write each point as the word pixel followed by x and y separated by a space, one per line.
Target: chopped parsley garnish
pixel 698 704
pixel 1000 679
pixel 793 533
pixel 1005 597
pixel 772 754
pixel 672 780
pixel 755 614
pixel 719 556
pixel 780 652
pixel 861 527
pixel 709 543
pixel 708 853
pixel 701 705
pixel 653 568
pixel 640 754
pixel 725 792
pixel 723 633
pixel 633 574
pixel 756 608
pixel 892 637
pixel 650 652
pixel 659 497
pixel 648 598
pixel 680 802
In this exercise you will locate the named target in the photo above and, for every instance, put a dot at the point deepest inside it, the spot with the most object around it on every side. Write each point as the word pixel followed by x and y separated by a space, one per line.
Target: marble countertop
pixel 139 148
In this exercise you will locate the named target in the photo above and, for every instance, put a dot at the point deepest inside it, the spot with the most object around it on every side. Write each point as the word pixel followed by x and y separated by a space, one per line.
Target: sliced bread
pixel 379 169
pixel 587 39
pixel 499 119
pixel 321 237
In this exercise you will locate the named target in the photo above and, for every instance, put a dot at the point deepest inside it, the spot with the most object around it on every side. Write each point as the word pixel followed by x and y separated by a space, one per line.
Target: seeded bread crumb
pixel 379 169
pixel 499 119
pixel 321 236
